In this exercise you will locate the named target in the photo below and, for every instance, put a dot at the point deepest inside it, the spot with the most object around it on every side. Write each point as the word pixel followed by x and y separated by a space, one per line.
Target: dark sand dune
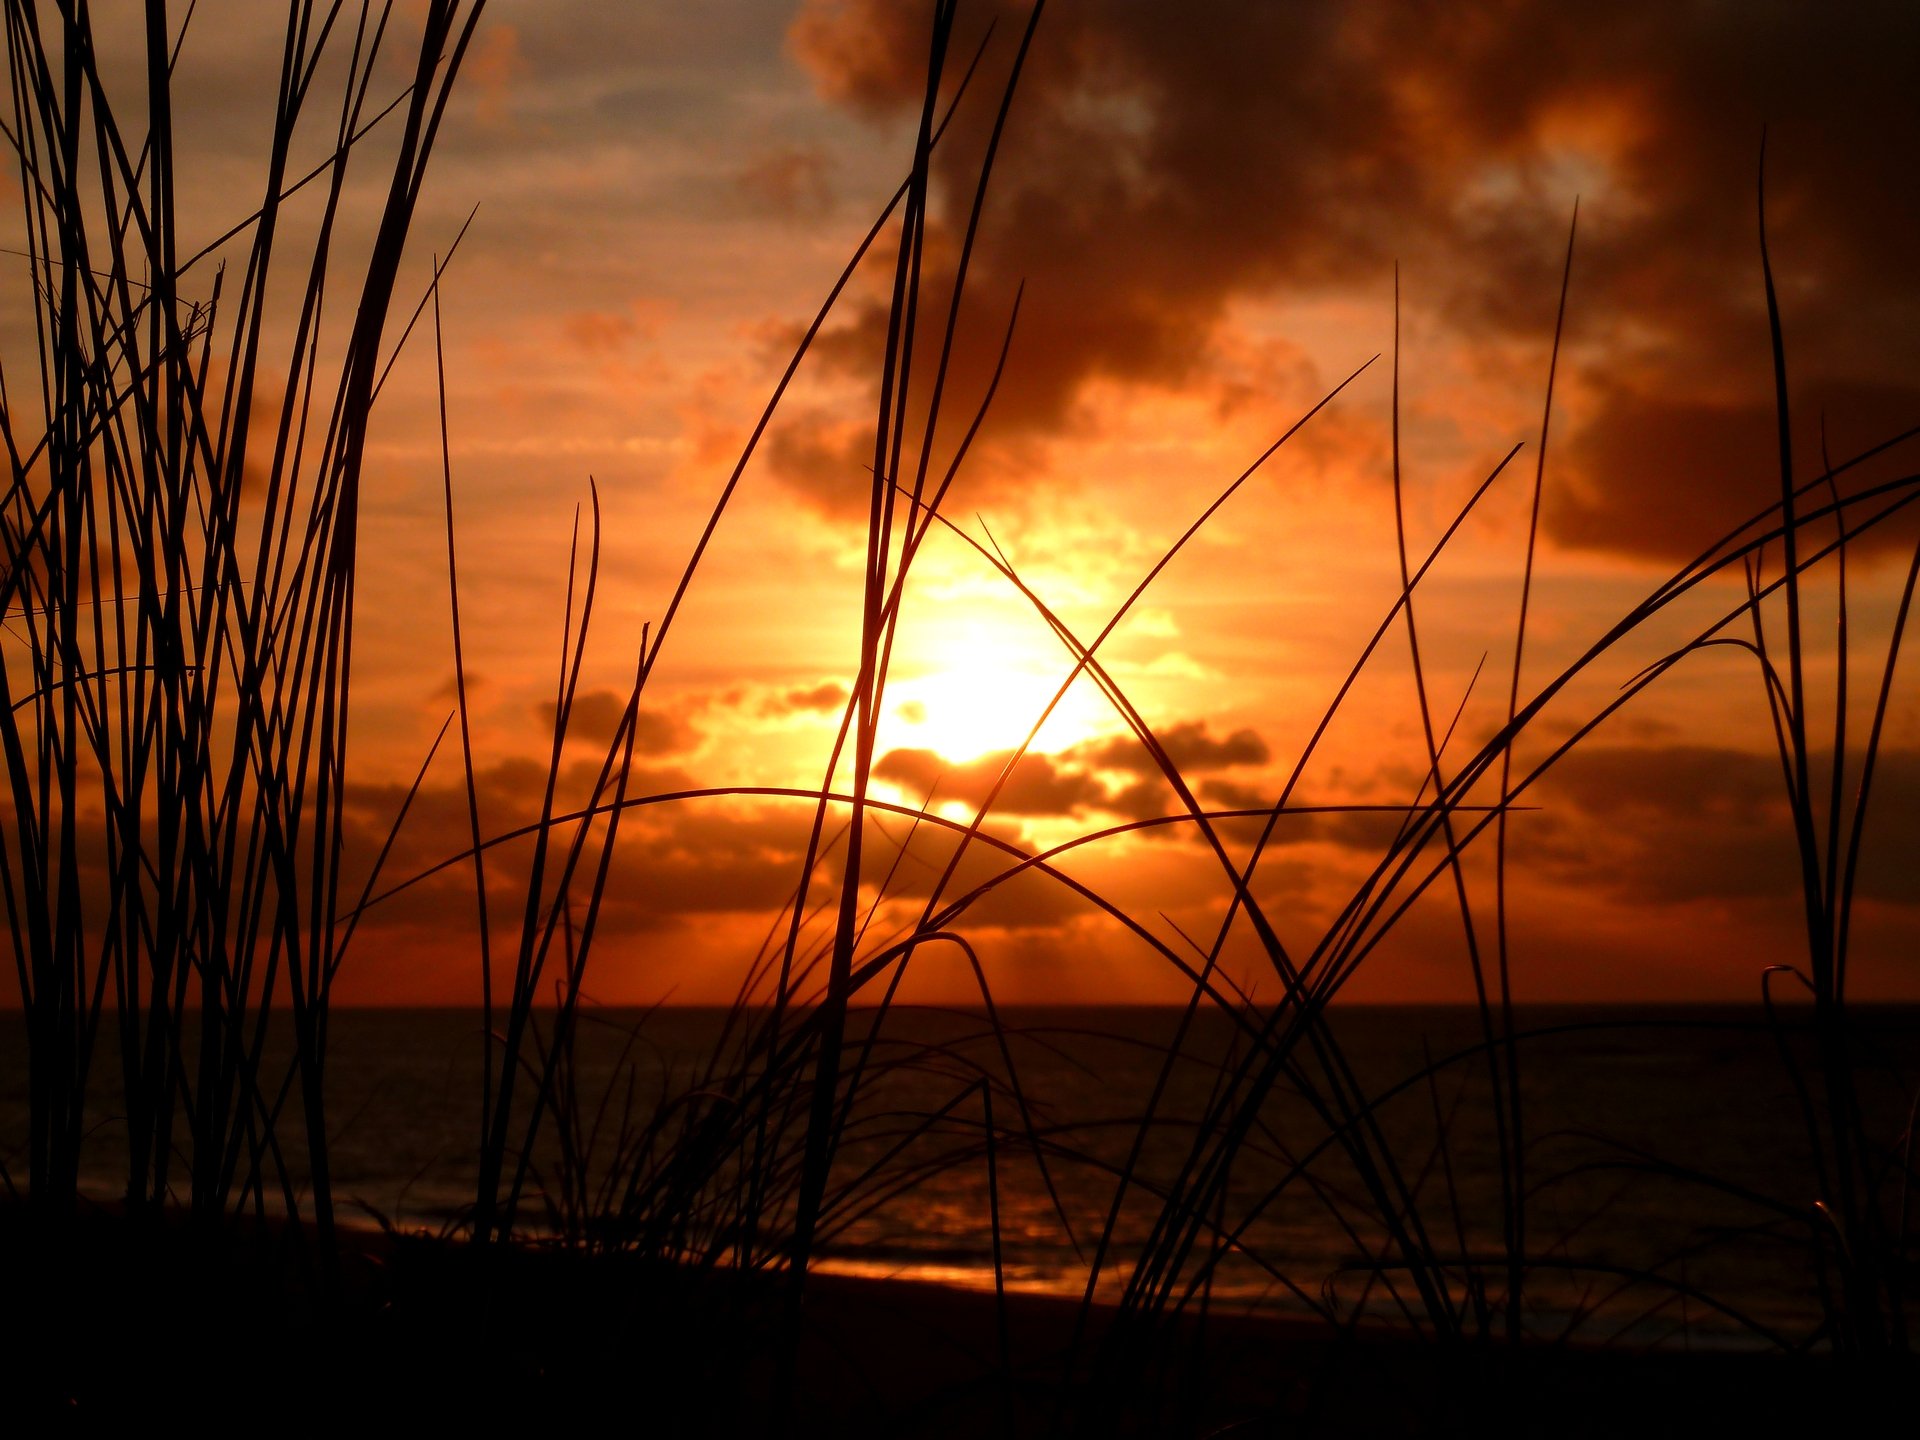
pixel 124 1327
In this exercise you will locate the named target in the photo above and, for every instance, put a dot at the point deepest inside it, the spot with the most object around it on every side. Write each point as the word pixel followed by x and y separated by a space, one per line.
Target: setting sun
pixel 978 687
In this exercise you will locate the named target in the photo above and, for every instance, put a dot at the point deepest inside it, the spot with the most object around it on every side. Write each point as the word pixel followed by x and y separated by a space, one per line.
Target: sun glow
pixel 979 688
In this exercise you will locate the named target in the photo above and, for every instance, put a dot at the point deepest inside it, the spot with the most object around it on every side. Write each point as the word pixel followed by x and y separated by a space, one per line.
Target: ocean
pixel 1670 1182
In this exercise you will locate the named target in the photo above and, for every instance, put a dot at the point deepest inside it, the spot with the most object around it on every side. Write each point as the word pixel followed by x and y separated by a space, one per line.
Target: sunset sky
pixel 1207 205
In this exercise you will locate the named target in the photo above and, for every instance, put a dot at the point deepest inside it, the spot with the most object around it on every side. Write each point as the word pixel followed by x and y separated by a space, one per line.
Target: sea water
pixel 1667 1174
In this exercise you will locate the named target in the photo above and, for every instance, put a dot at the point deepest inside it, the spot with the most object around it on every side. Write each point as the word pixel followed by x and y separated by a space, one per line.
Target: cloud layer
pixel 1165 163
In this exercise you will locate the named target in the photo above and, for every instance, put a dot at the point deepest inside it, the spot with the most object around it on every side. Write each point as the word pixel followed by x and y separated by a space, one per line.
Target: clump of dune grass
pixel 181 525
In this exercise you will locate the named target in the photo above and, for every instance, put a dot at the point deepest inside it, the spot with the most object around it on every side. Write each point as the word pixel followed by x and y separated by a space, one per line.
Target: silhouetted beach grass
pixel 181 551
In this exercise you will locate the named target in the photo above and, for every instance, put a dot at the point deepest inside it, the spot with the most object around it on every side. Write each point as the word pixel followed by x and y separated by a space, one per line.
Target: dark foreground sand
pixel 109 1325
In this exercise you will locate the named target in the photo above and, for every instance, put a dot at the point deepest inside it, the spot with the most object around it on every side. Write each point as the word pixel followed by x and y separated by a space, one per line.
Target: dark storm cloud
pixel 1065 785
pixel 1189 745
pixel 1164 161
pixel 1195 751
